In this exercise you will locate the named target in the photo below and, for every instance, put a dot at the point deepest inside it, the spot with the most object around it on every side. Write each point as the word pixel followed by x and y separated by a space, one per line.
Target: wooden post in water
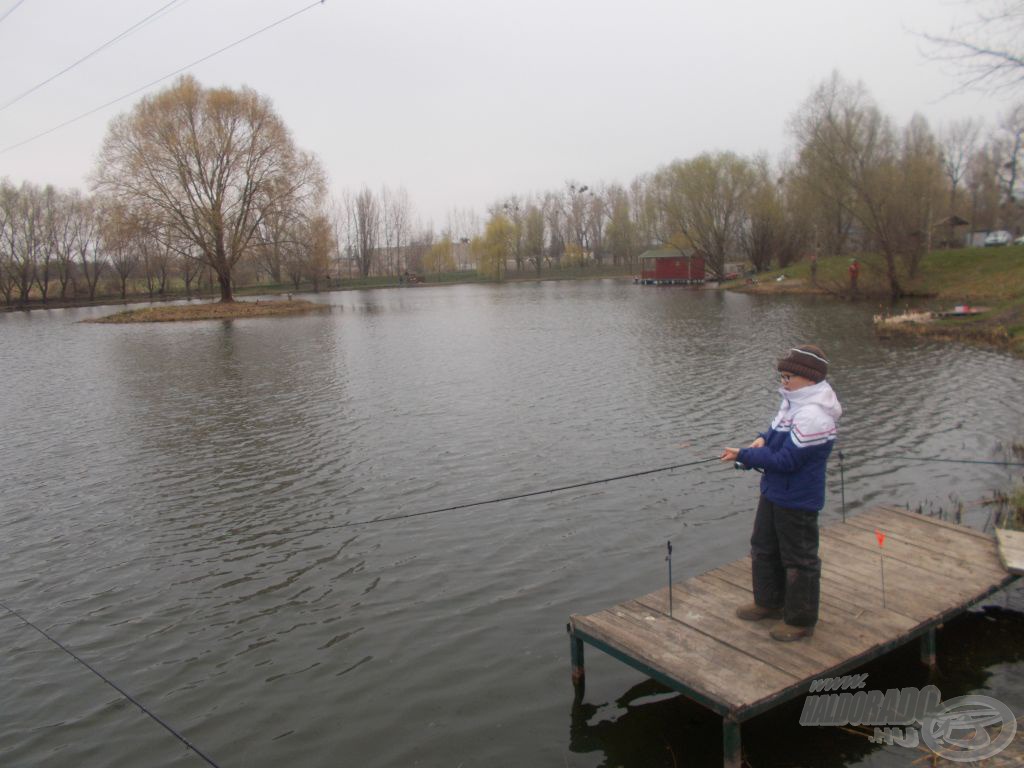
pixel 579 676
pixel 732 747
pixel 928 650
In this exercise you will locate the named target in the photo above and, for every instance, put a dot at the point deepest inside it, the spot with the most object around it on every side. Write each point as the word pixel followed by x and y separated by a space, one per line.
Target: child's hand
pixel 758 443
pixel 730 454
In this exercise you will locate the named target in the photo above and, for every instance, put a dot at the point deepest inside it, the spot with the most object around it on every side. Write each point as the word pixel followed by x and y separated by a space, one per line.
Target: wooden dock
pixel 933 571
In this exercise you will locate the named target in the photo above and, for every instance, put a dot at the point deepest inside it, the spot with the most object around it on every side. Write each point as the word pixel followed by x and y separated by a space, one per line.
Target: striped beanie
pixel 807 361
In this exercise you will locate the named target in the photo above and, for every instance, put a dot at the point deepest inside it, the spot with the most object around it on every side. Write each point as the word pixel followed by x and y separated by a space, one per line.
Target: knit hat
pixel 807 361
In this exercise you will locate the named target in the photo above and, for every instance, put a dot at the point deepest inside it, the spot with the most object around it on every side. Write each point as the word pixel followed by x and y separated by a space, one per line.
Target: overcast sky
pixel 463 102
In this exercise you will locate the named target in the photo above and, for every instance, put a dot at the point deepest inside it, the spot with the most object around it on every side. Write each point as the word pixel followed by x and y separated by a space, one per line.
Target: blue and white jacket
pixel 797 448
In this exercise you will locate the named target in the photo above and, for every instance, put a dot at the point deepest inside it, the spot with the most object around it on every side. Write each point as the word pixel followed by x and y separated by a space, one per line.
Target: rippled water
pixel 176 503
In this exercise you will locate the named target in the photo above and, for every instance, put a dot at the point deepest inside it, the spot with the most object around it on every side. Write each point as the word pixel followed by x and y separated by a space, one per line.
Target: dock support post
pixel 579 677
pixel 732 748
pixel 928 649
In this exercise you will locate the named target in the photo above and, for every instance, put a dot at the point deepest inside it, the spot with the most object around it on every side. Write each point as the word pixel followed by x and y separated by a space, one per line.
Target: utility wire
pixel 161 79
pixel 115 686
pixel 11 10
pixel 87 56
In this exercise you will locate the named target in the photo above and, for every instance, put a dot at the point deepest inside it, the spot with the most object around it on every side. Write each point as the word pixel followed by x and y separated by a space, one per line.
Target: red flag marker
pixel 880 535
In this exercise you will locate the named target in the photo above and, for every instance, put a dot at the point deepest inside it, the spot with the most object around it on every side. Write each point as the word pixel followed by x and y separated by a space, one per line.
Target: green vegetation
pixel 988 277
pixel 1009 505
pixel 173 313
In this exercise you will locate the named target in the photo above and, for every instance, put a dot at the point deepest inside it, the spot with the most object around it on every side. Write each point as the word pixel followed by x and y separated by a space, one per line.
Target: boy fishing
pixel 786 570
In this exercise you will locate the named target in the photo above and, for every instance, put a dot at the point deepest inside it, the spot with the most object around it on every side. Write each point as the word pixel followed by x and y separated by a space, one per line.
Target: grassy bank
pixel 990 277
pixel 215 311
pixel 176 290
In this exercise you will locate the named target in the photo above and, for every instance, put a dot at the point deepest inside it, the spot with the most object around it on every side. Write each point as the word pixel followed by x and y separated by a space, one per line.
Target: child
pixel 786 570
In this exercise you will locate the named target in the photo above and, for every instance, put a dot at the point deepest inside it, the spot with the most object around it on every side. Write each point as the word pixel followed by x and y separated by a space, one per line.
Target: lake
pixel 183 506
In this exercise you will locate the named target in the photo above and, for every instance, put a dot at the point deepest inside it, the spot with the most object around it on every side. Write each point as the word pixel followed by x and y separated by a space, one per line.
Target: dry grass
pixel 177 313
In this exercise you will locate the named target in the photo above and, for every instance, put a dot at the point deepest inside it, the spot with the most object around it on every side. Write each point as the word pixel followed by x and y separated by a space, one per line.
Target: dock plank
pixel 681 653
pixel 898 548
pixel 840 591
pixel 959 529
pixel 902 582
pixel 927 532
pixel 707 612
pixel 843 632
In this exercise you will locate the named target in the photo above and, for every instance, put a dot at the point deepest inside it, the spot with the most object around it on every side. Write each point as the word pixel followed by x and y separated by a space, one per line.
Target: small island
pixel 220 310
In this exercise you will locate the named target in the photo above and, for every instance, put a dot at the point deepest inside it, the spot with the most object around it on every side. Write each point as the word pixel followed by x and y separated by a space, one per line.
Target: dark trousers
pixel 786 569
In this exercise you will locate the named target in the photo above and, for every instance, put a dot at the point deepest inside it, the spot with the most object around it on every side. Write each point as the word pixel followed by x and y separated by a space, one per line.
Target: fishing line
pixel 516 496
pixel 530 494
pixel 113 685
pixel 947 461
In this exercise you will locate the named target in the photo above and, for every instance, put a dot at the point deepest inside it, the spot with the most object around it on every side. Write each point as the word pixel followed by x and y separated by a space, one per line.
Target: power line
pixel 115 686
pixel 161 79
pixel 11 10
pixel 87 56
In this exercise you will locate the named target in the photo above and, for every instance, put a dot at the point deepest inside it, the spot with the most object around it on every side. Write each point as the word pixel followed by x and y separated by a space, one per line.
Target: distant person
pixel 786 569
pixel 854 271
pixel 814 269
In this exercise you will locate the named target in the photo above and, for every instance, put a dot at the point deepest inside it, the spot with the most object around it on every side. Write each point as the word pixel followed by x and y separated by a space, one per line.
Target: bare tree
pixel 957 141
pixel 25 235
pixel 8 212
pixel 364 223
pixel 84 216
pixel 154 255
pixel 885 180
pixel 61 233
pixel 986 51
pixel 118 231
pixel 188 264
pixel 555 222
pixel 765 237
pixel 396 222
pixel 533 238
pixel 211 162
pixel 983 185
pixel 622 232
pixel 1012 141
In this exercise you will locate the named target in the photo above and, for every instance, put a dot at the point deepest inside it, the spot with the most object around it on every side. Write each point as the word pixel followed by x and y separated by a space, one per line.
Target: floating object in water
pixel 962 310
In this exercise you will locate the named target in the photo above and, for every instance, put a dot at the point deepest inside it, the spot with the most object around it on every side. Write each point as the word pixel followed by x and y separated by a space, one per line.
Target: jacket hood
pixel 820 395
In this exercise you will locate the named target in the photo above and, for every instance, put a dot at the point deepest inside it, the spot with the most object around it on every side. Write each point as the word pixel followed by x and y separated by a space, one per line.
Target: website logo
pixel 963 729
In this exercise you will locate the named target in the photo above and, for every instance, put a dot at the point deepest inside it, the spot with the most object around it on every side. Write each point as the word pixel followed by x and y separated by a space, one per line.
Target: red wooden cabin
pixel 672 269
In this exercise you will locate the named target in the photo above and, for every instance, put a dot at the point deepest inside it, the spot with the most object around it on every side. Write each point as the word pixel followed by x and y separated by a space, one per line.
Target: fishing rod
pixel 601 481
pixel 156 718
pixel 469 505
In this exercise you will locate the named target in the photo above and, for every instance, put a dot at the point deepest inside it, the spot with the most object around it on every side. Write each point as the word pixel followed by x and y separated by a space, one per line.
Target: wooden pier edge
pixel 658 644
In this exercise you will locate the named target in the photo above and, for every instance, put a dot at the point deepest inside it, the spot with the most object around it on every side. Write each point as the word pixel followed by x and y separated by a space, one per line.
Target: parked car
pixel 998 237
pixel 1019 240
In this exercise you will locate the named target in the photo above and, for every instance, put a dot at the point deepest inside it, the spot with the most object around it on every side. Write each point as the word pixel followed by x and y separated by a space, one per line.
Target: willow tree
pixel 702 203
pixel 211 164
pixel 887 181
